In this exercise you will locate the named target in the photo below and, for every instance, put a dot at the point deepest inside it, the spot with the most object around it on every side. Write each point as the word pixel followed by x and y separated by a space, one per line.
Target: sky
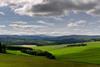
pixel 50 17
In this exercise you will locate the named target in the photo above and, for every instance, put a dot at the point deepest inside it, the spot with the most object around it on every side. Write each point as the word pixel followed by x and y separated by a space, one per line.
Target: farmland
pixel 27 61
pixel 86 54
pixel 77 56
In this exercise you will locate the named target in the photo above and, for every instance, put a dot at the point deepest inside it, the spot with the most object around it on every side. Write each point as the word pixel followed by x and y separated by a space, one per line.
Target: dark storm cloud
pixel 58 7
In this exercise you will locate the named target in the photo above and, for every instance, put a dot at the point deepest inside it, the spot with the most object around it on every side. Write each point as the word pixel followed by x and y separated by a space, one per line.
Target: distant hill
pixel 44 39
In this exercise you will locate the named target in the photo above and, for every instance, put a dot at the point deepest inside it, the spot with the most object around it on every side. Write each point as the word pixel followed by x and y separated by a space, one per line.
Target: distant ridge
pixel 53 39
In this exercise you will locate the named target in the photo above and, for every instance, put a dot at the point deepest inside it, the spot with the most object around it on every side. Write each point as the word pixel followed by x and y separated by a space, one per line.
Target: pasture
pixel 8 60
pixel 84 54
pixel 77 56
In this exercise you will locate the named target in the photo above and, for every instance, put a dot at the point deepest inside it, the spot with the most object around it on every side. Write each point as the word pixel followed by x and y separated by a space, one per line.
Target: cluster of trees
pixel 39 53
pixel 96 39
pixel 26 50
pixel 2 48
pixel 73 45
pixel 18 48
pixel 30 51
pixel 28 42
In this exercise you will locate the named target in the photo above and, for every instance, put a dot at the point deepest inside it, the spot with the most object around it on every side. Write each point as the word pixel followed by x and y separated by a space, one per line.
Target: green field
pixel 8 60
pixel 86 54
pixel 83 56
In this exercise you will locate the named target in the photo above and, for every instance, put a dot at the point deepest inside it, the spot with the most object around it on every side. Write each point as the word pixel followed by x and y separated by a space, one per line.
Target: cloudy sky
pixel 50 17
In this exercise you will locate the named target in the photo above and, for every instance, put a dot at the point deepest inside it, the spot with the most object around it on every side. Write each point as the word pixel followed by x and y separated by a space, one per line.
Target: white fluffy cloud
pixel 51 7
pixel 76 23
pixel 45 23
pixel 56 22
pixel 2 13
pixel 22 7
pixel 23 25
pixel 2 26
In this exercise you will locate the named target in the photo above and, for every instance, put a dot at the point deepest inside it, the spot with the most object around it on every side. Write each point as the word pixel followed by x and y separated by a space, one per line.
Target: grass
pixel 9 60
pixel 86 54
pixel 14 52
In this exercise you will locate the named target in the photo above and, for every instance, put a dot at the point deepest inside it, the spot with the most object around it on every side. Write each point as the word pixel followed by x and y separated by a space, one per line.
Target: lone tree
pixel 2 48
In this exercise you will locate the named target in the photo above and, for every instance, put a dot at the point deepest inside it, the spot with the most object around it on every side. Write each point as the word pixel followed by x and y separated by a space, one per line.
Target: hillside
pixel 84 54
pixel 78 56
pixel 8 60
pixel 46 40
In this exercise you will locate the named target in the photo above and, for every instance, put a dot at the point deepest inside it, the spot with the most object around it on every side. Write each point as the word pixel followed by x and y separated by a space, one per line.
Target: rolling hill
pixel 84 54
pixel 45 40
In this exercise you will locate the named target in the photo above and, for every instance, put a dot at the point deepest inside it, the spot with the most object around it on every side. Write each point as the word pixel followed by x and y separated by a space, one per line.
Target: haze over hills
pixel 44 39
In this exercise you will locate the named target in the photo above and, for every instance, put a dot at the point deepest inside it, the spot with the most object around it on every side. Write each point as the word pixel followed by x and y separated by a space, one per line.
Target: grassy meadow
pixel 82 56
pixel 9 60
pixel 85 54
